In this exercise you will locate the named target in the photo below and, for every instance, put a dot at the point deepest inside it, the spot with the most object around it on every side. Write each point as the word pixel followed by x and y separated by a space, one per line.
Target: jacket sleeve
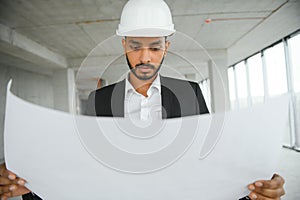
pixel 201 101
pixel 90 107
pixel 31 196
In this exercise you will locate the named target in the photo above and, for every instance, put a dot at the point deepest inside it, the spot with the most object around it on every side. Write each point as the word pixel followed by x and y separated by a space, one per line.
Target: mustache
pixel 145 65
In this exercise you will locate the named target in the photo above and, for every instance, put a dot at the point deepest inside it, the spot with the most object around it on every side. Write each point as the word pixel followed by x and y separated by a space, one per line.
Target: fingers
pixel 254 196
pixel 260 193
pixel 7 188
pixel 20 182
pixel 6 173
pixel 267 189
pixel 8 177
pixel 13 191
pixel 10 184
pixel 5 196
pixel 4 181
pixel 274 192
pixel 7 191
pixel 7 181
pixel 276 182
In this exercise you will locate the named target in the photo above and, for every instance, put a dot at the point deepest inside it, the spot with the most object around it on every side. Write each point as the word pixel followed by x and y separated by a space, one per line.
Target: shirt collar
pixel 156 84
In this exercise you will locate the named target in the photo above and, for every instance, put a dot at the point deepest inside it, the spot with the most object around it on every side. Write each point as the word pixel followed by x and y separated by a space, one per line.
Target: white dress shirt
pixel 137 106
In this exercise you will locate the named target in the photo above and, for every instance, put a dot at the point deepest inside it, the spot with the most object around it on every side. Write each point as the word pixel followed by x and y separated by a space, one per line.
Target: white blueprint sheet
pixel 209 157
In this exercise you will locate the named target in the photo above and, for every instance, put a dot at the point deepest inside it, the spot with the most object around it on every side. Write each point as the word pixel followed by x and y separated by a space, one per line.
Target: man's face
pixel 145 55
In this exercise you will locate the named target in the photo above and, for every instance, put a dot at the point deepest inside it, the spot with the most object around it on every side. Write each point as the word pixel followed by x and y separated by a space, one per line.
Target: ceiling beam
pixel 18 45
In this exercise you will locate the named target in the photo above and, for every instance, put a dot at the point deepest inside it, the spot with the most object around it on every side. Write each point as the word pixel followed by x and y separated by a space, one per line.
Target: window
pixel 264 75
pixel 241 81
pixel 276 70
pixel 256 78
pixel 294 45
pixel 232 91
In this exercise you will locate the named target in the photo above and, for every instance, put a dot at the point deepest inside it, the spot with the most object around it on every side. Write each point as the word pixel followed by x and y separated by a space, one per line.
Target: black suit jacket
pixel 179 98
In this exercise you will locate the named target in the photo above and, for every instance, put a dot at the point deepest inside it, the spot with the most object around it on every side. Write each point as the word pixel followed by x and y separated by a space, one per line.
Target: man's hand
pixel 267 189
pixel 10 184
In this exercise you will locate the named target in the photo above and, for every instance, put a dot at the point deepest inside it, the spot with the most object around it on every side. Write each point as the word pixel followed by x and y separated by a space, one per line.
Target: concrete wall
pixel 27 85
pixel 53 91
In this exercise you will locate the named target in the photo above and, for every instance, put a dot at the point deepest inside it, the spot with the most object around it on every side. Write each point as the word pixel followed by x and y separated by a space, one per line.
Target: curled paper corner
pixel 9 84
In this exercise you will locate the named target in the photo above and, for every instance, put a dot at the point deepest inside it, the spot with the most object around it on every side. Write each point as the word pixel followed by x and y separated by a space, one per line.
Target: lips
pixel 145 68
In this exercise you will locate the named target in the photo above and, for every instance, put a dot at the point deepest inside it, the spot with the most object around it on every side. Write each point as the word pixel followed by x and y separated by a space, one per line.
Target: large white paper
pixel 209 157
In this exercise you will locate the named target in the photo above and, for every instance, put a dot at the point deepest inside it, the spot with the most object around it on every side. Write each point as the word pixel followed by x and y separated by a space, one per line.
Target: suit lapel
pixel 166 102
pixel 117 99
pixel 170 104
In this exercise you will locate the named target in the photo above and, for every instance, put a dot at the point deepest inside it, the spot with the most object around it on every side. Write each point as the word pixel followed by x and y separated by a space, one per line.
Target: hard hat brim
pixel 146 32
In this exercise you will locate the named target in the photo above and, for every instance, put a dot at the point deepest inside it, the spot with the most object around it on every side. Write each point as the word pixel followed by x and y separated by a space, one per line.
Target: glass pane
pixel 294 44
pixel 256 78
pixel 276 70
pixel 241 78
pixel 231 87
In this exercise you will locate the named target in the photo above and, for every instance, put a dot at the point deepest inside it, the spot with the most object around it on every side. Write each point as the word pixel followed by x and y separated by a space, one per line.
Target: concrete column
pixel 63 90
pixel 71 90
pixel 219 83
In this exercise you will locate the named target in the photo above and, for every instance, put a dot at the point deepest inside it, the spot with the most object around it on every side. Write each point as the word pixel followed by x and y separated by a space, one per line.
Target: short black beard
pixel 143 78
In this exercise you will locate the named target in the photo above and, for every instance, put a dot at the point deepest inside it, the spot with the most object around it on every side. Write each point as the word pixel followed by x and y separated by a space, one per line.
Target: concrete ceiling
pixel 71 29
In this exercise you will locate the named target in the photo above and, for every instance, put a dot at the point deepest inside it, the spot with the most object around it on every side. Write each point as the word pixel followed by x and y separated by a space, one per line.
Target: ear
pixel 124 45
pixel 166 47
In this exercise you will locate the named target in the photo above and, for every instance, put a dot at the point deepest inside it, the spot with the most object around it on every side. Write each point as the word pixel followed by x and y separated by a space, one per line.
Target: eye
pixel 136 48
pixel 155 49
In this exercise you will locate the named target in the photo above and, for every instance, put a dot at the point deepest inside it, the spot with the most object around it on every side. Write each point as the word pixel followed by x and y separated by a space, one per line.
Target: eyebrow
pixel 155 43
pixel 139 43
pixel 135 42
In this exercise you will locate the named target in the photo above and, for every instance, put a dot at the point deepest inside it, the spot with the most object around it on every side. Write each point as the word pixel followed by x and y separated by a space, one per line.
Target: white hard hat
pixel 146 18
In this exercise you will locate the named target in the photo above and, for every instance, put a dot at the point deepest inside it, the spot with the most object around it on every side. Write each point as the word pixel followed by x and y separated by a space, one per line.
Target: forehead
pixel 145 40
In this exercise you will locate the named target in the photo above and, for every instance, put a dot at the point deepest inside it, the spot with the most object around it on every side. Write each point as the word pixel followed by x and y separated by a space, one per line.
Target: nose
pixel 145 56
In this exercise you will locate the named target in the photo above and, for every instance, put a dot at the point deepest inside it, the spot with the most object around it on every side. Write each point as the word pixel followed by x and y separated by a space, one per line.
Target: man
pixel 144 94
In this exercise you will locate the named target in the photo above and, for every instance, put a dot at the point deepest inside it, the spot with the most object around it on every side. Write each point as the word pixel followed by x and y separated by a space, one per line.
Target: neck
pixel 141 86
